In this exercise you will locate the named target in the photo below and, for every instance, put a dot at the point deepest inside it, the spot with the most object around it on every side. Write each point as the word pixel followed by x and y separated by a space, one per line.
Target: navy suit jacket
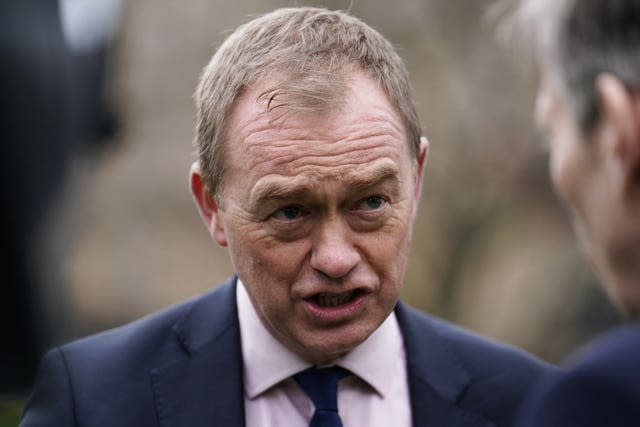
pixel 601 388
pixel 183 367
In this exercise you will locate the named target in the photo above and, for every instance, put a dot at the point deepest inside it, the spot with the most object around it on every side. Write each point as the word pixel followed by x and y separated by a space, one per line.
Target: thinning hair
pixel 574 41
pixel 307 54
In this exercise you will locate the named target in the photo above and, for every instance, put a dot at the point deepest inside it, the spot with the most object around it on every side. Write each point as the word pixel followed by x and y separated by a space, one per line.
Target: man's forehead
pixel 362 98
pixel 256 135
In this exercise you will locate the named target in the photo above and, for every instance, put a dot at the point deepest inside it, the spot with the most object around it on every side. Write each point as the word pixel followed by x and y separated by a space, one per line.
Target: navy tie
pixel 321 385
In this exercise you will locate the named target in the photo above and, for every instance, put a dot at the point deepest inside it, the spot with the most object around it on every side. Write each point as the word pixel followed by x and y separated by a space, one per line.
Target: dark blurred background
pixel 493 250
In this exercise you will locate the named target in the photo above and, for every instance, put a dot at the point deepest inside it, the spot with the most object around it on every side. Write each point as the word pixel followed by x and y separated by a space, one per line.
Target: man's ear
pixel 207 206
pixel 620 130
pixel 423 158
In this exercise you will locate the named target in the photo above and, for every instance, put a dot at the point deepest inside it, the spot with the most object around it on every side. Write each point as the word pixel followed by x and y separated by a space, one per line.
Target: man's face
pixel 583 183
pixel 570 153
pixel 317 211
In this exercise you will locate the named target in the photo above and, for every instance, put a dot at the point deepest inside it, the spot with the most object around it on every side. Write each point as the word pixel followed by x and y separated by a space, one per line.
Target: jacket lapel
pixel 436 380
pixel 204 387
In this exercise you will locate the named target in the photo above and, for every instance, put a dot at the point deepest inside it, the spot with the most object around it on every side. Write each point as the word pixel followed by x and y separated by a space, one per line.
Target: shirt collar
pixel 379 358
pixel 266 362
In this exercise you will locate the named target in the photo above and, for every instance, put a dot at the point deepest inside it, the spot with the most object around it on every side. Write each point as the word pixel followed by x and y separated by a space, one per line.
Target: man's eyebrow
pixel 375 177
pixel 278 190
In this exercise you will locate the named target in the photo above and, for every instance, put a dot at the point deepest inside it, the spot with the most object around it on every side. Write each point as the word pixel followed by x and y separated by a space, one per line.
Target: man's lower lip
pixel 336 313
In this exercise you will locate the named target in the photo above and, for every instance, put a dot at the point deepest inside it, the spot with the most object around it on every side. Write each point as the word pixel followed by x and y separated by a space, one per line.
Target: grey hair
pixel 309 53
pixel 575 41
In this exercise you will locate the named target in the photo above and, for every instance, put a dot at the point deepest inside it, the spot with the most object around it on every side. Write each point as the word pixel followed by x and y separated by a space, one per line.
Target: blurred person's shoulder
pixel 618 347
pixel 611 361
pixel 600 385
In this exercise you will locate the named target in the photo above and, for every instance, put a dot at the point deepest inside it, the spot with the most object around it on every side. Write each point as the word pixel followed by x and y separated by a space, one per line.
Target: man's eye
pixel 288 213
pixel 372 203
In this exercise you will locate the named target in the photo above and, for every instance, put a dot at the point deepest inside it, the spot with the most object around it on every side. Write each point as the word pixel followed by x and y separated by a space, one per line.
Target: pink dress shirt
pixel 376 395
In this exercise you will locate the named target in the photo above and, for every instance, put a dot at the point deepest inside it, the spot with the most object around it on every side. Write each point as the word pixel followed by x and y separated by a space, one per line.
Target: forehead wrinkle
pixel 375 123
pixel 322 136
pixel 370 123
pixel 386 118
pixel 304 155
pixel 353 142
pixel 331 127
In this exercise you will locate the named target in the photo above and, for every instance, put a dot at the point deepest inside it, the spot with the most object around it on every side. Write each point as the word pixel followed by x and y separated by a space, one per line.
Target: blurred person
pixel 33 71
pixel 588 103
pixel 309 170
pixel 52 108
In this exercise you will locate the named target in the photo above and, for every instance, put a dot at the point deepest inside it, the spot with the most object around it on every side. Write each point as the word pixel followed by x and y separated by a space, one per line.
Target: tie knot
pixel 321 385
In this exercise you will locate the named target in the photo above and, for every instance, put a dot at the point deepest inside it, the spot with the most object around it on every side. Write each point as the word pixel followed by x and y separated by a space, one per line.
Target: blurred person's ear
pixel 620 132
pixel 207 205
pixel 423 159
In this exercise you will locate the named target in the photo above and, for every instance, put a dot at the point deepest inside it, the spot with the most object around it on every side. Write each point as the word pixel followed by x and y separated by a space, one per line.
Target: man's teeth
pixel 327 299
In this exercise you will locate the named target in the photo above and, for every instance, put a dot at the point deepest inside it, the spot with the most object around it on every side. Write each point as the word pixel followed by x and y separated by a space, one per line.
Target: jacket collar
pixel 204 386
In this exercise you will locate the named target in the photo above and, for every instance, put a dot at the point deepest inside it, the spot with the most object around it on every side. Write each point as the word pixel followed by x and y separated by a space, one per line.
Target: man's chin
pixel 325 355
pixel 328 346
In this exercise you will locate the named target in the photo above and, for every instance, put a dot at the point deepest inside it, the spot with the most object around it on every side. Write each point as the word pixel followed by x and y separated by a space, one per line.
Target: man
pixel 309 168
pixel 589 105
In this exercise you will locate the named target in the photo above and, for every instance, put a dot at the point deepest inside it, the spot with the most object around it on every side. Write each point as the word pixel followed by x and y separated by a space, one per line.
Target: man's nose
pixel 334 253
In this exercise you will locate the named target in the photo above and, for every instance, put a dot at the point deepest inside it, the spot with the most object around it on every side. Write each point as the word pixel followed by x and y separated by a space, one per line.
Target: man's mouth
pixel 336 299
pixel 336 306
pixel 330 299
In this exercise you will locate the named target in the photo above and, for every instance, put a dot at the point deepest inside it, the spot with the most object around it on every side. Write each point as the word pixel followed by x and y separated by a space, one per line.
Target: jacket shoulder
pixel 148 337
pixel 492 377
pixel 110 372
pixel 142 339
pixel 481 356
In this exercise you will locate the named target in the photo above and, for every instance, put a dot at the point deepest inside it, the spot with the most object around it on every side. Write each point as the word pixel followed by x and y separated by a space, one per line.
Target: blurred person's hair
pixel 577 40
pixel 306 56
